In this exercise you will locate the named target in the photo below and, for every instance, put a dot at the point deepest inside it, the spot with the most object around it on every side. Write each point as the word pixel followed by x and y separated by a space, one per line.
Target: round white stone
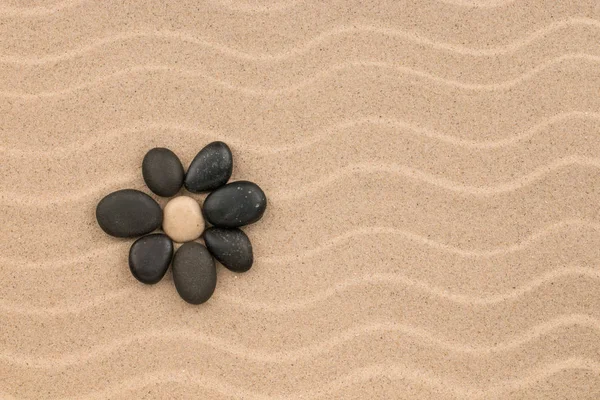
pixel 182 220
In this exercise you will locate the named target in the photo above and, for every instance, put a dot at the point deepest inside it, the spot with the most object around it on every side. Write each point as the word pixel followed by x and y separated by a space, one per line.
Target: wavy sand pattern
pixel 434 179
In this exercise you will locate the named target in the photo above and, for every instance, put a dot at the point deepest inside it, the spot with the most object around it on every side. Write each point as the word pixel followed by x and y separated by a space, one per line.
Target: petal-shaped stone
pixel 231 247
pixel 128 213
pixel 194 273
pixel 210 169
pixel 162 172
pixel 150 256
pixel 235 204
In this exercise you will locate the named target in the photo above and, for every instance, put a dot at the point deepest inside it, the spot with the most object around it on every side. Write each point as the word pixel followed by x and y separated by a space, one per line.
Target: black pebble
pixel 210 169
pixel 162 172
pixel 231 247
pixel 150 256
pixel 235 204
pixel 128 213
pixel 194 273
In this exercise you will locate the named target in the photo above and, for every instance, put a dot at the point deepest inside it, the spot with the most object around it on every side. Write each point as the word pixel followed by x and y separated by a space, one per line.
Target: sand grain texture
pixel 433 176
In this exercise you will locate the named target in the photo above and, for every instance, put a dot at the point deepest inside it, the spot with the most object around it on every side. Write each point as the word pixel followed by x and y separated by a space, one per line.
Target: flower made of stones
pixel 131 213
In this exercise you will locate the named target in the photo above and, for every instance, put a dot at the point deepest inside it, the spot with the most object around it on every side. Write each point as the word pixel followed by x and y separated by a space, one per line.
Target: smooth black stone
pixel 150 256
pixel 210 169
pixel 235 204
pixel 162 172
pixel 128 213
pixel 231 247
pixel 194 273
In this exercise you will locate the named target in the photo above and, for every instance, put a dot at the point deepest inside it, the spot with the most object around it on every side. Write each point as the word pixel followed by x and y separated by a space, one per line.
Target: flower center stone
pixel 182 220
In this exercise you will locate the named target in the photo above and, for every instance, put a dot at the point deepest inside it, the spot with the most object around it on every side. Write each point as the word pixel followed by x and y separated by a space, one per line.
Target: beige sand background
pixel 432 168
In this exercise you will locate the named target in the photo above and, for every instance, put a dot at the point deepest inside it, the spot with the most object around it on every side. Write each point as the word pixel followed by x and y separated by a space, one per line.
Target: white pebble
pixel 183 221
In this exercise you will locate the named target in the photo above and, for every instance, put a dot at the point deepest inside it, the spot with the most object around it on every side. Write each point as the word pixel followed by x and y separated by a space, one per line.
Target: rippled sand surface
pixel 433 174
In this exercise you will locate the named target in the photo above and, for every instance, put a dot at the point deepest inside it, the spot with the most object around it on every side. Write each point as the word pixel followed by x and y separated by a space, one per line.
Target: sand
pixel 432 170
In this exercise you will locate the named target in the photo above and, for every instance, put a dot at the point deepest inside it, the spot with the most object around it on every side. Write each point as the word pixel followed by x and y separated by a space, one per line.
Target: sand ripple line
pixel 352 170
pixel 63 308
pixel 424 240
pixel 308 352
pixel 39 11
pixel 281 6
pixel 227 4
pixel 327 73
pixel 131 180
pixel 478 4
pixel 45 11
pixel 308 44
pixel 254 8
pixel 362 374
pixel 314 139
pixel 313 299
pixel 112 248
pixel 395 280
pixel 345 237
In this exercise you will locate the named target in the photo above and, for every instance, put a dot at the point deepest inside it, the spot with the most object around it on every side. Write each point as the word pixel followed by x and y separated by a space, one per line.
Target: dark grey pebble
pixel 162 172
pixel 194 273
pixel 231 247
pixel 128 213
pixel 210 169
pixel 235 204
pixel 150 256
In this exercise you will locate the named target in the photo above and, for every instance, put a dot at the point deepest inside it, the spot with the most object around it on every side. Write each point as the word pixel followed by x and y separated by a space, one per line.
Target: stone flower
pixel 129 213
